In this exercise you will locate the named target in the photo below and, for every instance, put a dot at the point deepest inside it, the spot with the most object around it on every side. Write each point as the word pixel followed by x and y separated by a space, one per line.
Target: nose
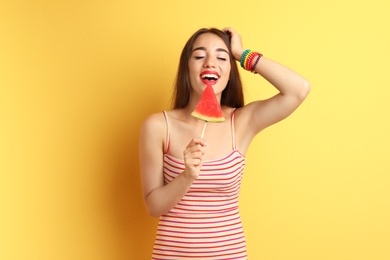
pixel 209 62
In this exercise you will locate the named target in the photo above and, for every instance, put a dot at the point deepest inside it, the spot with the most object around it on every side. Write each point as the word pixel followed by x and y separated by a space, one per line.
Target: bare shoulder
pixel 153 122
pixel 152 137
pixel 153 131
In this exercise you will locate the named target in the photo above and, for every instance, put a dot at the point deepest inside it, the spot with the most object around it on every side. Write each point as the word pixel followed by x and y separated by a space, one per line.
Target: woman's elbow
pixel 152 209
pixel 153 212
pixel 304 90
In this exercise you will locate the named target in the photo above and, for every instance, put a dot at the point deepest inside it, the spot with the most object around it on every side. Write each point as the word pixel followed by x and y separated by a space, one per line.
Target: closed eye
pixel 220 58
pixel 198 57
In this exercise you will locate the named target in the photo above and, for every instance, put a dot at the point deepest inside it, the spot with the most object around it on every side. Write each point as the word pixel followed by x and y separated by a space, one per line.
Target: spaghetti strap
pixel 234 143
pixel 168 138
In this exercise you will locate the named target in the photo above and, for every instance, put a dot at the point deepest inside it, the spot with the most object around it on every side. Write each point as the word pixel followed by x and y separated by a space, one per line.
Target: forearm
pixel 287 81
pixel 162 199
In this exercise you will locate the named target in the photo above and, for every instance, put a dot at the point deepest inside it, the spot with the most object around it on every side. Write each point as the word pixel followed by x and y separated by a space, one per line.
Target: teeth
pixel 210 76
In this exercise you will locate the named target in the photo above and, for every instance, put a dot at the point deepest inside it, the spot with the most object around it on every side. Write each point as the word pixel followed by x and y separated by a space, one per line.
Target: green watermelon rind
pixel 207 118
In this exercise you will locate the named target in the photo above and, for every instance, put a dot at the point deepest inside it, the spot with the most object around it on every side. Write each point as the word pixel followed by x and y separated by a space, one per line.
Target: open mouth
pixel 209 77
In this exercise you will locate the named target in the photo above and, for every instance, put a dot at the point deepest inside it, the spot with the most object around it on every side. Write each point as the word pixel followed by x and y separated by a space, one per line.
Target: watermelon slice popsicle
pixel 208 108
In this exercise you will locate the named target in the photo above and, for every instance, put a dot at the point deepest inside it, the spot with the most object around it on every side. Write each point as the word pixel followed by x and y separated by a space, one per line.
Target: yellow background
pixel 77 78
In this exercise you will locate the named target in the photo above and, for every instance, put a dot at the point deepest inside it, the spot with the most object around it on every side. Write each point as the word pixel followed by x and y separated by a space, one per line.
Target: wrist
pixel 249 60
pixel 189 176
pixel 238 54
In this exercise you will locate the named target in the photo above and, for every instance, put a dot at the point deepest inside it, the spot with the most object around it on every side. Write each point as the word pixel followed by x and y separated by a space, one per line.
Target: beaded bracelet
pixel 243 57
pixel 255 64
pixel 247 59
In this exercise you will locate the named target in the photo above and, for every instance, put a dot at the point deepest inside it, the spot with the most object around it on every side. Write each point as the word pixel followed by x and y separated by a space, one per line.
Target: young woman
pixel 192 184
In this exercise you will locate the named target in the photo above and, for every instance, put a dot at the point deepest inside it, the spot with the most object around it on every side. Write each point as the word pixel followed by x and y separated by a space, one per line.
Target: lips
pixel 209 77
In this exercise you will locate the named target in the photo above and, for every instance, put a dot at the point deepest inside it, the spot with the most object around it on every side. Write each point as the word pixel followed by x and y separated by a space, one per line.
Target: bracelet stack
pixel 247 59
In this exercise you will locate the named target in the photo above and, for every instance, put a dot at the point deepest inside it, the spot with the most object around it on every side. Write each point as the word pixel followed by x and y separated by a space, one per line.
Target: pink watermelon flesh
pixel 208 108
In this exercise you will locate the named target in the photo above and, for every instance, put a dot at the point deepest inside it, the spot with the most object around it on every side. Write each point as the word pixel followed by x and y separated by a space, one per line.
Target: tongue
pixel 209 81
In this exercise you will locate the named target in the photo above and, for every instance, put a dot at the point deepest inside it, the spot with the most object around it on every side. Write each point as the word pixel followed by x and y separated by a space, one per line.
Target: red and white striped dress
pixel 206 223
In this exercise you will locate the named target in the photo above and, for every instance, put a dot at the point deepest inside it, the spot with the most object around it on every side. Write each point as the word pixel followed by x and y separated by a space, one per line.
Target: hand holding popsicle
pixel 193 157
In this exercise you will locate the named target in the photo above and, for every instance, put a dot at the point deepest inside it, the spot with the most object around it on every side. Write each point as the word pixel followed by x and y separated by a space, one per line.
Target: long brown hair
pixel 232 95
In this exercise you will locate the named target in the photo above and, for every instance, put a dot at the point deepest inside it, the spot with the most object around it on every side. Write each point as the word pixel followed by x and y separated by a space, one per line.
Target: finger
pixel 196 141
pixel 227 29
pixel 194 153
pixel 196 162
pixel 199 141
pixel 230 31
pixel 196 148
pixel 197 155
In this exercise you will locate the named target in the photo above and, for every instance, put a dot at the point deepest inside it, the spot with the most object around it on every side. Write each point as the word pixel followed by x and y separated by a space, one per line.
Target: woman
pixel 192 184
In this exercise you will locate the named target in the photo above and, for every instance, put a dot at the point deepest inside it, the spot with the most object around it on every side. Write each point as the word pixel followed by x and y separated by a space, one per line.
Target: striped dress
pixel 206 223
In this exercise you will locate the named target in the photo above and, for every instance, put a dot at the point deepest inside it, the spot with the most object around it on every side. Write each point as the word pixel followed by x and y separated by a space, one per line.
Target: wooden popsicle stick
pixel 204 129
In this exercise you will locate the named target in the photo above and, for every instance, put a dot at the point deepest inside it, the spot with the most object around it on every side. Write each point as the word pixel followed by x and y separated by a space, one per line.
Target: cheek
pixel 191 68
pixel 226 71
pixel 192 74
pixel 226 76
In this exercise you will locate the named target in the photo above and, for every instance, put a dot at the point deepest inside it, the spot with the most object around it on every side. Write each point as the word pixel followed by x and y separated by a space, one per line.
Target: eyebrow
pixel 203 49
